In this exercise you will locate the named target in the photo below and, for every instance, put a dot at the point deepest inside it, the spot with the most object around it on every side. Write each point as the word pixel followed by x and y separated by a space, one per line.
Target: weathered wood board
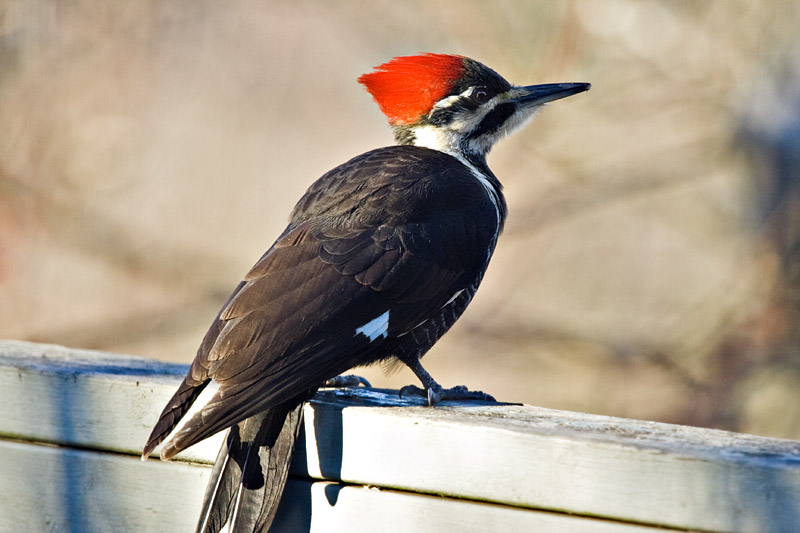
pixel 393 462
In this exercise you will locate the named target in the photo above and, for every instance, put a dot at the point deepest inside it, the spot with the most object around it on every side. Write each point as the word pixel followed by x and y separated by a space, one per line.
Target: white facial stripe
pixel 446 139
pixel 450 100
pixel 435 138
pixel 484 143
pixel 520 118
pixel 447 102
pixel 377 327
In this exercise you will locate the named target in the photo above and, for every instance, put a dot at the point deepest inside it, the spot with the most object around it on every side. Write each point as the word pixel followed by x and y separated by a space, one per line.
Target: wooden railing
pixel 72 423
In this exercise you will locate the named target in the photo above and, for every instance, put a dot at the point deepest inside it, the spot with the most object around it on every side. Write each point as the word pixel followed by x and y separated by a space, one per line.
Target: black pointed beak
pixel 541 94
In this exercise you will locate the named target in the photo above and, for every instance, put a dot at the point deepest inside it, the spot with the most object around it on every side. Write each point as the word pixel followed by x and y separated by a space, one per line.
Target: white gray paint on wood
pixel 47 488
pixel 516 457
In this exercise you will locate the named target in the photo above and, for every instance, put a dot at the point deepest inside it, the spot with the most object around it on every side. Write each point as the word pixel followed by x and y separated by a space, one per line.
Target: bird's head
pixel 455 104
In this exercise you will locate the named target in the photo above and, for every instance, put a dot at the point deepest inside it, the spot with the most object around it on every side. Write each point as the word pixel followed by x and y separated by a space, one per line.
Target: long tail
pixel 251 470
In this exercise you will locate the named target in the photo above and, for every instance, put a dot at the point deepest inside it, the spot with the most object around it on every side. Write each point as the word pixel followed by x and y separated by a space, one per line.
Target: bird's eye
pixel 480 95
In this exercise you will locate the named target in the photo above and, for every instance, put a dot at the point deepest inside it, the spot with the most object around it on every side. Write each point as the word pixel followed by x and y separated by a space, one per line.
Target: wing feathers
pixel 400 229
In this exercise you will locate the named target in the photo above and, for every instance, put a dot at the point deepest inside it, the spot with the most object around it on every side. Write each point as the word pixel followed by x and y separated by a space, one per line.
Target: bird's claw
pixel 438 394
pixel 348 380
pixel 433 396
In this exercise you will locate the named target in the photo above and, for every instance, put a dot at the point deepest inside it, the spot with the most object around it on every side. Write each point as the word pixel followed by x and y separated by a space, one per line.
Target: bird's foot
pixel 437 393
pixel 347 380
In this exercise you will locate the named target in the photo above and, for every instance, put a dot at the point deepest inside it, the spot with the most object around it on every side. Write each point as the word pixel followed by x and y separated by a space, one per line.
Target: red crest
pixel 407 87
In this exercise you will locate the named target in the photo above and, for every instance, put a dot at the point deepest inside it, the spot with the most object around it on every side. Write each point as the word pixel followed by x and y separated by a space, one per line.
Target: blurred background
pixel 151 151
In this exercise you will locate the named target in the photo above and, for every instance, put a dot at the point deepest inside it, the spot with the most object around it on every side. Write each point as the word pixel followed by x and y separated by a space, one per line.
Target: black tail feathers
pixel 250 472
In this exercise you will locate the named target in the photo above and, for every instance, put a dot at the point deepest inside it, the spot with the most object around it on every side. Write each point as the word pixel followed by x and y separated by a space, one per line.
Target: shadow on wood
pixel 368 460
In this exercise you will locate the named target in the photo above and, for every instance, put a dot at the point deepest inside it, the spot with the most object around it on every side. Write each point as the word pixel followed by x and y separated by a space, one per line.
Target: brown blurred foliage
pixel 150 151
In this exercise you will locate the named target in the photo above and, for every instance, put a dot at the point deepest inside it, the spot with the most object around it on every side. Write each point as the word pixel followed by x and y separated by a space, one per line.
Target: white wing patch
pixel 377 327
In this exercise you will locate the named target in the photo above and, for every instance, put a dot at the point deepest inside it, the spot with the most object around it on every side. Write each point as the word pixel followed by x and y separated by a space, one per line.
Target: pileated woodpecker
pixel 381 256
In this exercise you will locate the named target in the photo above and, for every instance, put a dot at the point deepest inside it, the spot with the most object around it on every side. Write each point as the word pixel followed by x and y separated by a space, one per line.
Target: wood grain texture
pixel 48 488
pixel 507 456
pixel 56 489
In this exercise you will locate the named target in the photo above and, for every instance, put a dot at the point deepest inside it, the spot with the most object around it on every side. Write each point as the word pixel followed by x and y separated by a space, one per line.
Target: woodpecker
pixel 381 256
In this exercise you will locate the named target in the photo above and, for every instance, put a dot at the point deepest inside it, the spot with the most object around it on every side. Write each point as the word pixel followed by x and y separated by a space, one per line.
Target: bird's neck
pixel 443 140
pixel 447 141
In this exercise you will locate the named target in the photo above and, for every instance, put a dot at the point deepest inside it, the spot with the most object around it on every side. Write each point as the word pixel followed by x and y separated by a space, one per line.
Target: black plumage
pixel 401 229
pixel 381 256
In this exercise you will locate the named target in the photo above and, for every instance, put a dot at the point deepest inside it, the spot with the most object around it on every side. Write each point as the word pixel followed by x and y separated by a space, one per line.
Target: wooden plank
pixel 518 456
pixel 86 398
pixel 348 508
pixel 629 470
pixel 48 488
